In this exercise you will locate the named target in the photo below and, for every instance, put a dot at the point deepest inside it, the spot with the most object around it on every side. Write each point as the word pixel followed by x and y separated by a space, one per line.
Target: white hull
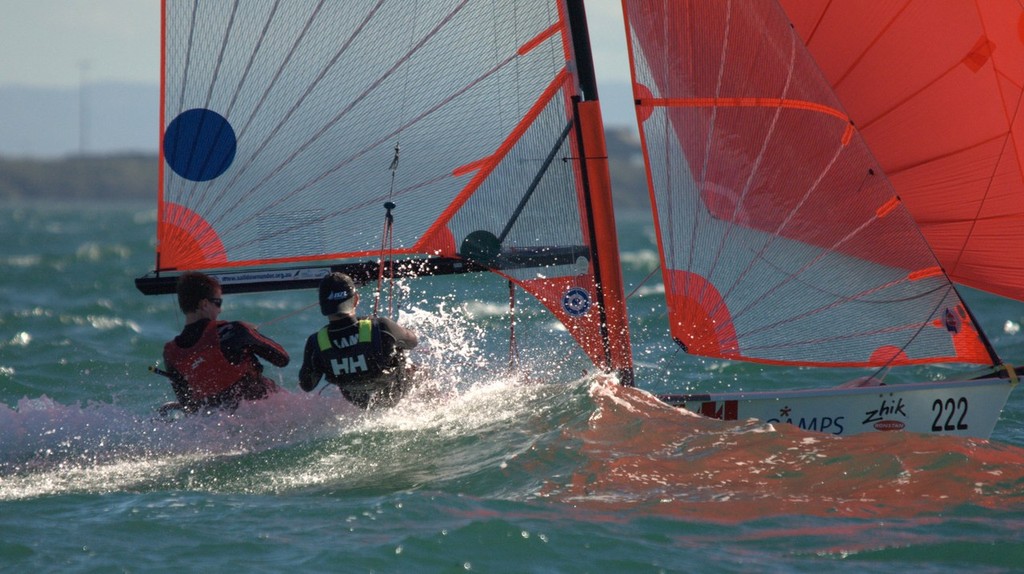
pixel 961 408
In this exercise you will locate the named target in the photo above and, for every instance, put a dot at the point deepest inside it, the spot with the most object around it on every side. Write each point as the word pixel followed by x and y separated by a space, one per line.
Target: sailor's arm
pixel 309 375
pixel 404 338
pixel 242 336
pixel 182 392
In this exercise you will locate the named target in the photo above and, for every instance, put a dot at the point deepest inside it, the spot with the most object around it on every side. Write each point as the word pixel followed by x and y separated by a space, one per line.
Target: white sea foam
pixel 50 447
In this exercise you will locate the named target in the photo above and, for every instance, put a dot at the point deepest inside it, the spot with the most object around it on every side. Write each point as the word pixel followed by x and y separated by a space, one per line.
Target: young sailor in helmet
pixel 364 356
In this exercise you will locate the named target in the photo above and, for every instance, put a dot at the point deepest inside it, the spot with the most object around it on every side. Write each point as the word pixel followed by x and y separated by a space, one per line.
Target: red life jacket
pixel 204 365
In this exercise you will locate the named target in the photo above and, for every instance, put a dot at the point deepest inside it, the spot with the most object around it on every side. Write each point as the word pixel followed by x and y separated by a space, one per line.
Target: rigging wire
pixel 286 315
pixel 386 260
pixel 387 246
pixel 641 284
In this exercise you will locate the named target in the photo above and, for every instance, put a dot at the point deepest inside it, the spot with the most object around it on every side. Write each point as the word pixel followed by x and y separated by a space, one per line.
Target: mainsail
pixel 281 121
pixel 782 238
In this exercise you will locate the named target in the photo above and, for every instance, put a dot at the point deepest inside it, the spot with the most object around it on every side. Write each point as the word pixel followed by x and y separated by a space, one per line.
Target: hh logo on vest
pixel 349 365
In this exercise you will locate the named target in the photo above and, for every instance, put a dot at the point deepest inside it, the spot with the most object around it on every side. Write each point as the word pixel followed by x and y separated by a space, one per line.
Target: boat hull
pixel 961 408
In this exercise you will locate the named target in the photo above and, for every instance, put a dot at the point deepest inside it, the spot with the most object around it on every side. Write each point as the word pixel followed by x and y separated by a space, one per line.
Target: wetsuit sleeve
pixel 238 338
pixel 179 385
pixel 404 338
pixel 309 374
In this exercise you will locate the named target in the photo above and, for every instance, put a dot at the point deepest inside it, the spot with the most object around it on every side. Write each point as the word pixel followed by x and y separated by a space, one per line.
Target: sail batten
pixel 485 167
pixel 741 102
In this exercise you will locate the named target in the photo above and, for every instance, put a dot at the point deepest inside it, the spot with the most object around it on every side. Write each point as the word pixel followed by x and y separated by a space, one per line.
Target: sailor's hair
pixel 192 287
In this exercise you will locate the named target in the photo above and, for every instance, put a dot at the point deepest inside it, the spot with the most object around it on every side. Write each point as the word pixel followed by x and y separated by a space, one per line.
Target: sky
pixel 61 46
pixel 60 43
pixel 52 43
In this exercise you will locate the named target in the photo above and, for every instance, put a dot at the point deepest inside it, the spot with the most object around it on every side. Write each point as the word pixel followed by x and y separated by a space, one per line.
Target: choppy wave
pixel 591 445
pixel 477 469
pixel 639 452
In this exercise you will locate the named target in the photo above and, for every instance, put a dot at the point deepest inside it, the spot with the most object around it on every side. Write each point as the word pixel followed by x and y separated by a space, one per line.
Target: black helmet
pixel 335 288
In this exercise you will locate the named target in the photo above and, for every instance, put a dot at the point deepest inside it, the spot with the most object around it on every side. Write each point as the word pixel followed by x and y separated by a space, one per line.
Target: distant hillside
pixel 626 162
pixel 131 176
pixel 134 176
pixel 100 142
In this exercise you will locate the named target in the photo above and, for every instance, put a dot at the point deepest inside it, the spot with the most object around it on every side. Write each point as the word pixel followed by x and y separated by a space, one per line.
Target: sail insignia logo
pixel 576 301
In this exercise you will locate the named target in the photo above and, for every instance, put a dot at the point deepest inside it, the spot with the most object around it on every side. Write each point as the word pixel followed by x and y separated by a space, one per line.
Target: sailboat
pixel 385 138
pixel 822 173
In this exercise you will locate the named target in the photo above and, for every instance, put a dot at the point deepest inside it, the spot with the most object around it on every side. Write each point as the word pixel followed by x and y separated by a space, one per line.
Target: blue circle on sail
pixel 199 144
pixel 576 301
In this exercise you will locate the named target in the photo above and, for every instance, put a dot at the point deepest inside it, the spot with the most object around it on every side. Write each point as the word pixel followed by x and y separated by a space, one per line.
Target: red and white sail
pixel 783 236
pixel 936 89
pixel 287 126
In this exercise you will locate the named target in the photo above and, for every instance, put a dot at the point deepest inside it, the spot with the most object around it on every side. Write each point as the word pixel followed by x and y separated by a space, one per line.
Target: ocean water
pixel 546 468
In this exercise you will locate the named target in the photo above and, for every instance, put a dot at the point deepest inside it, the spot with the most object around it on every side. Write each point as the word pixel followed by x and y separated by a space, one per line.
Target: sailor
pixel 364 356
pixel 214 364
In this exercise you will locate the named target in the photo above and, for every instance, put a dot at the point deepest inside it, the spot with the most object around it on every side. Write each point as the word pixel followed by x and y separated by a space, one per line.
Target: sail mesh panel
pixel 299 106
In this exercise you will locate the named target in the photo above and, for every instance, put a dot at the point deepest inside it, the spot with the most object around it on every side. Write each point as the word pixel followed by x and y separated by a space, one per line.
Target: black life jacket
pixel 356 362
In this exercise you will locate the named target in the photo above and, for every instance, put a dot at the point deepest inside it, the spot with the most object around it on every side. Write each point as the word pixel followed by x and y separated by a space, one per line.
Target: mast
pixel 584 56
pixel 596 181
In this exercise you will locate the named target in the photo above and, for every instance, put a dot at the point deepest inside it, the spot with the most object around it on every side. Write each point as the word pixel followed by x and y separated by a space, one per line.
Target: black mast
pixel 581 48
